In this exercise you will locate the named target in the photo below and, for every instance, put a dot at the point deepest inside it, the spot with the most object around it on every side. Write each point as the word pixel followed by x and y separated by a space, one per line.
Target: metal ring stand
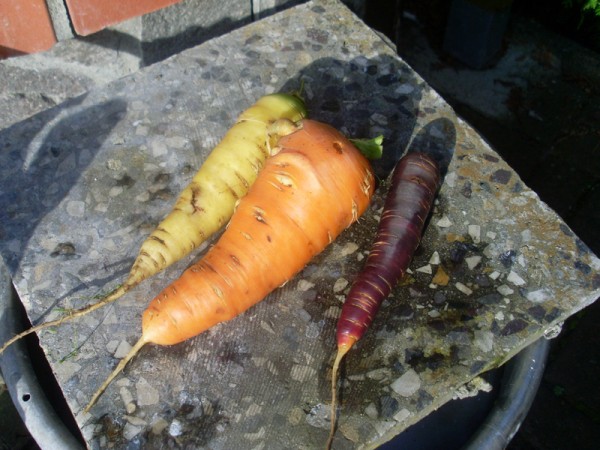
pixel 40 418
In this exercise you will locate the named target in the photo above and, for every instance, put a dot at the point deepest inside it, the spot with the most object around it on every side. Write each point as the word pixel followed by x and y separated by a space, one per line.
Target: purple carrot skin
pixel 413 186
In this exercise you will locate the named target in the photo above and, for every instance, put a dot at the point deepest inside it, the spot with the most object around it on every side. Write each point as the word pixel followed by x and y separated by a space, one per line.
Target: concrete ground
pixel 538 106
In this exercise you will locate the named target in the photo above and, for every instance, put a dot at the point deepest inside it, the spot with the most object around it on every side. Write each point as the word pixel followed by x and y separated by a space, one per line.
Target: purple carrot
pixel 414 183
pixel 413 186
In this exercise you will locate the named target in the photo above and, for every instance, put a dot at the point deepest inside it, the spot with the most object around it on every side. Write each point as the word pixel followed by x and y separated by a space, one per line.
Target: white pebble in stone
pixel 137 421
pixel 444 222
pixel 122 350
pixel 111 346
pixel 538 296
pixel 176 428
pixel 127 399
pixel 339 285
pixel 463 288
pixel 435 258
pixel 475 233
pixel 304 285
pixel 158 425
pixel 146 394
pixel 402 415
pixel 425 269
pixel 407 384
pixel 472 261
pixel 404 89
pixel 371 411
pixel 302 373
pixel 176 141
pixel 504 290
pixel 130 431
pixel 349 248
pixel 484 340
pixel 515 279
pixel 158 147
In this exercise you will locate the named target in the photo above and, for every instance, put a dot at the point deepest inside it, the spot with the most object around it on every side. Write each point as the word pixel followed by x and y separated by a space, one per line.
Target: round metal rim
pixel 520 382
pixel 32 404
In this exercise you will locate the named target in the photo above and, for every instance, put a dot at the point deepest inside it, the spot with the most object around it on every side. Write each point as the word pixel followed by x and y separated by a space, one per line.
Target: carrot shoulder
pixel 314 187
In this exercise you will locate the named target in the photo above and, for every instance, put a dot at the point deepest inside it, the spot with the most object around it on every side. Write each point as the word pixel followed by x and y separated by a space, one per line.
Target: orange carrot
pixel 316 184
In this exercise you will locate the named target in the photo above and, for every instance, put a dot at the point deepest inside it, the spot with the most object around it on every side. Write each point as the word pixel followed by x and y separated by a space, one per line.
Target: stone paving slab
pixel 83 183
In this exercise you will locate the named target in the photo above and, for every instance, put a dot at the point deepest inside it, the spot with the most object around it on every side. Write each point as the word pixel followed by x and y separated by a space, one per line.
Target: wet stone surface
pixel 85 182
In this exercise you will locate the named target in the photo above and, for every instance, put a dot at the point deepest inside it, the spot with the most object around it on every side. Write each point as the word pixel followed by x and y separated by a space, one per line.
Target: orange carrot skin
pixel 414 183
pixel 305 196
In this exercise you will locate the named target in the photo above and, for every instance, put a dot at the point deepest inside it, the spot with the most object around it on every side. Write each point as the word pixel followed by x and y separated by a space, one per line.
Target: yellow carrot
pixel 207 203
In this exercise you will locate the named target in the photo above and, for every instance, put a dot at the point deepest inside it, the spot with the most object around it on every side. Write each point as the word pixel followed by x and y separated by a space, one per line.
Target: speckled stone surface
pixel 82 184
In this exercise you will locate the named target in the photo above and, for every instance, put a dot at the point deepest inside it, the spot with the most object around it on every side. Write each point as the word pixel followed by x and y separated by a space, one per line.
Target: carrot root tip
pixel 341 352
pixel 71 315
pixel 134 351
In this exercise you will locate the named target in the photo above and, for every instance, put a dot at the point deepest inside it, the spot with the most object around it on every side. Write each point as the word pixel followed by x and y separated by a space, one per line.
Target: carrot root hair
pixel 341 352
pixel 115 294
pixel 134 351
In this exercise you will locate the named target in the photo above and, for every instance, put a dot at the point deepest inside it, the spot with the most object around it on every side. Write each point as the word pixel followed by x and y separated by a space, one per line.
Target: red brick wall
pixel 25 27
pixel 89 16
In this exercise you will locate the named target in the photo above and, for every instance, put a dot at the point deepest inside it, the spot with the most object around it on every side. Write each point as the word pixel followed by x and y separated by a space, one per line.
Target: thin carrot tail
pixel 109 298
pixel 342 350
pixel 134 351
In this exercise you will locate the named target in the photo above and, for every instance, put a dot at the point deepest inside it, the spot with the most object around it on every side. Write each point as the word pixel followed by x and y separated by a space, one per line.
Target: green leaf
pixel 370 148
